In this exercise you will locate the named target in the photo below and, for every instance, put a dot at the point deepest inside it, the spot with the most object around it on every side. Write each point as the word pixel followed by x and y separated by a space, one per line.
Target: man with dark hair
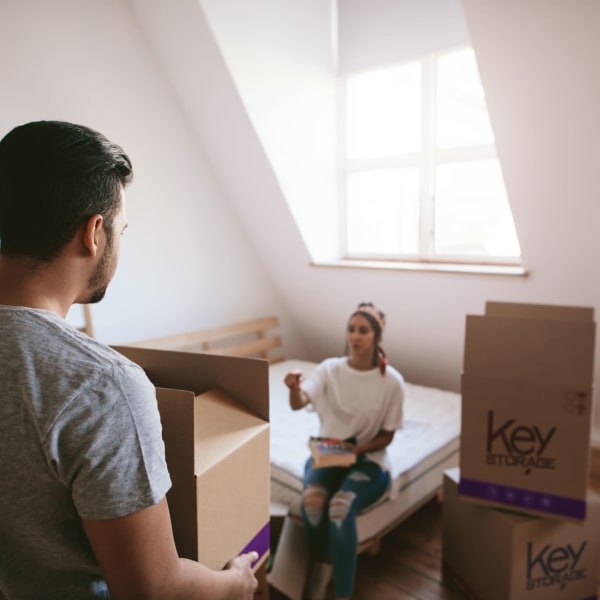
pixel 83 511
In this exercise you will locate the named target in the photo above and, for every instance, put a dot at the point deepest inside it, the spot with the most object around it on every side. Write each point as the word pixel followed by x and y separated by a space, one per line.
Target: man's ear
pixel 91 233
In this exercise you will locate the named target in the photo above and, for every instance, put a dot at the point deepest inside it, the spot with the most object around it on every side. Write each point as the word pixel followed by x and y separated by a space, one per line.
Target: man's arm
pixel 138 559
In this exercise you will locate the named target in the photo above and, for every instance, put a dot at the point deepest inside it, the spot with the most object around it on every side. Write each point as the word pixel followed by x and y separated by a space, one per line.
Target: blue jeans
pixel 331 499
pixel 100 590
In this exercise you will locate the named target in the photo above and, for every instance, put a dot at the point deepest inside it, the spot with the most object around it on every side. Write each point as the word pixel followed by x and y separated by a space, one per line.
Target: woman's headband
pixel 373 312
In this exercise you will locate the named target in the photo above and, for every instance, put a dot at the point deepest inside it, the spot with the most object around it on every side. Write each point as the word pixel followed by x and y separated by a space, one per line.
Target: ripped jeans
pixel 331 499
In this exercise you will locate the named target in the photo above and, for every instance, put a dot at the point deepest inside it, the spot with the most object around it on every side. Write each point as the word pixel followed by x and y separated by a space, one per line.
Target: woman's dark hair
pixel 376 319
pixel 53 177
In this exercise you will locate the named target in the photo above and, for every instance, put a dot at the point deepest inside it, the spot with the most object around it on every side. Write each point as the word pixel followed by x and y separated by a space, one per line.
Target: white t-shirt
pixel 353 403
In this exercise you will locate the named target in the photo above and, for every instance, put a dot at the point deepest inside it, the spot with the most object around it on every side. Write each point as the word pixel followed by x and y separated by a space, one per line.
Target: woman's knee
pixel 314 500
pixel 340 506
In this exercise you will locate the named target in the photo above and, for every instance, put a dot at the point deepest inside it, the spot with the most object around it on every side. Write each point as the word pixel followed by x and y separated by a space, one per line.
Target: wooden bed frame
pixel 249 339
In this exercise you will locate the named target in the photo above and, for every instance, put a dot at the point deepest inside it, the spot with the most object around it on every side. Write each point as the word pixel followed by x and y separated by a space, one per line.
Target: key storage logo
pixel 556 566
pixel 511 444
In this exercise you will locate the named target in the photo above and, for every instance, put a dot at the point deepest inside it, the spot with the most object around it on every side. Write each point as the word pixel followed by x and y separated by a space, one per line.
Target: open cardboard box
pixel 493 554
pixel 527 408
pixel 215 418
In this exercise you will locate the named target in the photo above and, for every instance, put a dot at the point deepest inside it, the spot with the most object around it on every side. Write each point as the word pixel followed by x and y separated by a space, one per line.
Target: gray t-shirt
pixel 80 436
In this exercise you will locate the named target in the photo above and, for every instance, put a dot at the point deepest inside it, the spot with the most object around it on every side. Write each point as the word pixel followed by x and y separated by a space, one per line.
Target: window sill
pixel 430 267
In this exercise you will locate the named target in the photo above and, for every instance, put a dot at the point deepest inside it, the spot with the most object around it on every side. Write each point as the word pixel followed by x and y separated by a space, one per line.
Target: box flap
pixel 233 503
pixel 246 379
pixel 539 311
pixel 291 561
pixel 177 417
pixel 522 349
pixel 221 426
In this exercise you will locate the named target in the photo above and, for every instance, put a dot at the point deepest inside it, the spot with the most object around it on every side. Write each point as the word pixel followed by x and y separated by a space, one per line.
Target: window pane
pixel 472 214
pixel 462 117
pixel 383 115
pixel 382 212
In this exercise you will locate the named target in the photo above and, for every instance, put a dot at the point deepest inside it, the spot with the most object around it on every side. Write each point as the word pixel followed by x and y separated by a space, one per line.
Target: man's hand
pixel 138 559
pixel 242 566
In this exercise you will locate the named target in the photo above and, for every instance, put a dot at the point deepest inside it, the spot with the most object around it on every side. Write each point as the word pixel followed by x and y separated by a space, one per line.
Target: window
pixel 420 177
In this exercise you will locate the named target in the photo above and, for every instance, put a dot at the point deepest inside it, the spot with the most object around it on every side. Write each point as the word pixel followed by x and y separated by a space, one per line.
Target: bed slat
pixel 247 339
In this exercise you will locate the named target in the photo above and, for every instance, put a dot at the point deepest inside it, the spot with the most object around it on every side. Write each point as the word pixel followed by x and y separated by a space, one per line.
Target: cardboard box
pixel 215 417
pixel 291 561
pixel 494 554
pixel 527 408
pixel 262 591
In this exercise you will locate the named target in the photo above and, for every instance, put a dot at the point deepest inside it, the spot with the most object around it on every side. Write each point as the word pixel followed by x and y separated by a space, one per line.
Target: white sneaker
pixel 318 579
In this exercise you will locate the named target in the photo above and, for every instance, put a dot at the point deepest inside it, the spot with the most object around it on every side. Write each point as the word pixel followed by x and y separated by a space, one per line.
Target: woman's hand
pixel 351 444
pixel 292 379
pixel 298 398
pixel 381 440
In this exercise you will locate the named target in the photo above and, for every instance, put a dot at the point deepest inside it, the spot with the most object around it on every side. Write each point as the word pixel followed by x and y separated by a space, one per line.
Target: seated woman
pixel 358 398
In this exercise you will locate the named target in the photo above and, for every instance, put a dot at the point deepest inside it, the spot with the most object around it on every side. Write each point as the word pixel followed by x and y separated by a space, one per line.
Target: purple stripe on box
pixel 521 498
pixel 260 543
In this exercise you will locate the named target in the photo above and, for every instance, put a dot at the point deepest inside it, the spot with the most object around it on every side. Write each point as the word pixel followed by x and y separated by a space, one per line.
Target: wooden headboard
pixel 251 339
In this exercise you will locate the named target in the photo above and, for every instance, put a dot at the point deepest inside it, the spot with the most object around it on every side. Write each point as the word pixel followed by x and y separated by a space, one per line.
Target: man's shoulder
pixel 55 346
pixel 103 367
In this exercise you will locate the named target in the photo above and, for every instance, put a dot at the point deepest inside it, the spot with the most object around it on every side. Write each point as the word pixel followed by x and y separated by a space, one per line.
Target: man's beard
pixel 101 276
pixel 97 295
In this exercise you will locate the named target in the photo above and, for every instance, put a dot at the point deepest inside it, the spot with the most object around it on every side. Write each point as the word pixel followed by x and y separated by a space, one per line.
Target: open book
pixel 330 452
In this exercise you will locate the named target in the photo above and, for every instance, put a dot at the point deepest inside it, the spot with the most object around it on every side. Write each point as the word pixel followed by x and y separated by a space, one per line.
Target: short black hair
pixel 54 176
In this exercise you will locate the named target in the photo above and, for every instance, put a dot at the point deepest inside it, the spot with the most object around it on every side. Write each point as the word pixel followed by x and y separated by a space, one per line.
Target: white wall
pixel 211 235
pixel 290 97
pixel 538 65
pixel 187 262
pixel 373 33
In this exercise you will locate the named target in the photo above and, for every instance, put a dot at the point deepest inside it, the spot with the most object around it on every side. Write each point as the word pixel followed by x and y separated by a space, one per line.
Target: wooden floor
pixel 408 567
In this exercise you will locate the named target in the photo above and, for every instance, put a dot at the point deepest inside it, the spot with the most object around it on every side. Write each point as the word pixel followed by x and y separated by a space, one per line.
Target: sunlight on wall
pixel 283 68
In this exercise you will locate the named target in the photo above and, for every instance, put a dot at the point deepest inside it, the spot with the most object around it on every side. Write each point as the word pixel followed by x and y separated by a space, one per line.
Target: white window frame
pixel 426 160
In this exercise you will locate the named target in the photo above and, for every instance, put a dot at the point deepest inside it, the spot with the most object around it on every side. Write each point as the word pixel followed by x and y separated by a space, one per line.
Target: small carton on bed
pixel 526 408
pixel 496 554
pixel 215 417
pixel 330 452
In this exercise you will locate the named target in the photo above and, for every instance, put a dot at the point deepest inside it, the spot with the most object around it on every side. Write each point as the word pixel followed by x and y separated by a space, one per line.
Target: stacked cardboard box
pixel 492 554
pixel 525 444
pixel 215 417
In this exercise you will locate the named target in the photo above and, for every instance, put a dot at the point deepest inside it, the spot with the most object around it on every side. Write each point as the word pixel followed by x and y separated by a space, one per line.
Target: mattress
pixel 427 444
